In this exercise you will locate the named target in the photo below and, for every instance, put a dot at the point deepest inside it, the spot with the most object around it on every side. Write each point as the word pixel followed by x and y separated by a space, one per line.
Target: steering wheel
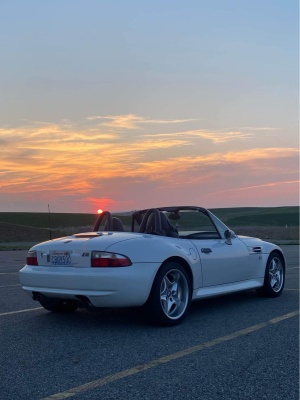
pixel 157 222
pixel 109 223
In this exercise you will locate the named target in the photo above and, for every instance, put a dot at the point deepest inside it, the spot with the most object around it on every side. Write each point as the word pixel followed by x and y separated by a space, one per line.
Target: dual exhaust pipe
pixel 83 301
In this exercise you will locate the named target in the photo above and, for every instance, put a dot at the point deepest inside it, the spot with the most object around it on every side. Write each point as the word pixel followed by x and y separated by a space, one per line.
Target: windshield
pixel 193 224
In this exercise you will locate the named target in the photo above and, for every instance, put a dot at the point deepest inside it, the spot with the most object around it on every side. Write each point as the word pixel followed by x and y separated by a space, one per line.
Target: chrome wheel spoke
pixel 276 274
pixel 168 283
pixel 171 305
pixel 273 282
pixel 174 288
pixel 273 266
pixel 174 294
pixel 164 303
pixel 176 300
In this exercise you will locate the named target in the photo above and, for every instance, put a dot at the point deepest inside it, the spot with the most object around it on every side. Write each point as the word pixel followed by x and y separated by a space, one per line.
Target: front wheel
pixel 274 277
pixel 59 305
pixel 170 296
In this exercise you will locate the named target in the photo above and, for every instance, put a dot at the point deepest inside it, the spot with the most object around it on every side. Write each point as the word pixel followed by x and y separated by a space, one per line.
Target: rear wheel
pixel 274 277
pixel 170 296
pixel 59 305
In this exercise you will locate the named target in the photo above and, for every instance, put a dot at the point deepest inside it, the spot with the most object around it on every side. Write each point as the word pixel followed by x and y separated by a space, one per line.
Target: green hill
pixel 243 216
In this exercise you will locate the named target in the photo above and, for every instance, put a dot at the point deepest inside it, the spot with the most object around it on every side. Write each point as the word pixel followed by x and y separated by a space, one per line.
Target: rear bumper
pixel 104 287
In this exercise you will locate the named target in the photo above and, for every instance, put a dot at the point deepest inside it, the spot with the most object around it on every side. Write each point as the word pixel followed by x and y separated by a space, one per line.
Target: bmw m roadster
pixel 171 256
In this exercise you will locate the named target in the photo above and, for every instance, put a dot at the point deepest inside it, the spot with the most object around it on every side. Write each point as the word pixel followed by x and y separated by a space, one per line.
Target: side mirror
pixel 228 236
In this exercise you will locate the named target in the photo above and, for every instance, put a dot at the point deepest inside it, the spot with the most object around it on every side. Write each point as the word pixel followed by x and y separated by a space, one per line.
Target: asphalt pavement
pixel 238 346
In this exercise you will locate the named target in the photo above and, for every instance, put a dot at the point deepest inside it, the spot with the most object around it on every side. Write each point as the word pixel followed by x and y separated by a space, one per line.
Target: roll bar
pixel 157 221
pixel 109 226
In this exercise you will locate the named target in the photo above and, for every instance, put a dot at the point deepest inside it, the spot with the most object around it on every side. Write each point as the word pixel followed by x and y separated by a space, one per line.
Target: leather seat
pixel 150 223
pixel 167 226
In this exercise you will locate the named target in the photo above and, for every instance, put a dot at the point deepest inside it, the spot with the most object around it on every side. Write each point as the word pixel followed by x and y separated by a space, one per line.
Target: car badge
pixel 85 254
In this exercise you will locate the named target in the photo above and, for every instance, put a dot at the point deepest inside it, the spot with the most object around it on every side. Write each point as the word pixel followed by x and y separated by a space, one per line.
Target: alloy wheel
pixel 174 293
pixel 276 274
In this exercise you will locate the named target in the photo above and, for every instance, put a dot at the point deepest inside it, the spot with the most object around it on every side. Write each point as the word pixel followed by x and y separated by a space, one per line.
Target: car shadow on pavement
pixel 134 317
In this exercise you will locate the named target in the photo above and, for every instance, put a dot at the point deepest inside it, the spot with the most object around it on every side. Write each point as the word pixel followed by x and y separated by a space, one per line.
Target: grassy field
pixel 249 216
pixel 264 222
pixel 41 220
pixel 258 216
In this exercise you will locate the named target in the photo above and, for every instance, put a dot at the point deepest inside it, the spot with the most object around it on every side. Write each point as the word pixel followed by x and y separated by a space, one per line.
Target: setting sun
pixel 99 211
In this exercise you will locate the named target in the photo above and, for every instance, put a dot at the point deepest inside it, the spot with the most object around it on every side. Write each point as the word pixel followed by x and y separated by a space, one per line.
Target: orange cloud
pixel 256 186
pixel 82 160
pixel 132 121
pixel 215 137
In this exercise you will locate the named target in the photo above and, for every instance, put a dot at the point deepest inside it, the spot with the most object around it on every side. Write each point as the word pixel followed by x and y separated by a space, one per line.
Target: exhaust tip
pixel 36 296
pixel 83 302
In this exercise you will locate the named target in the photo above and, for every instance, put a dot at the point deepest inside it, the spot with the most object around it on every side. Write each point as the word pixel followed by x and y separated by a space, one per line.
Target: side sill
pixel 211 291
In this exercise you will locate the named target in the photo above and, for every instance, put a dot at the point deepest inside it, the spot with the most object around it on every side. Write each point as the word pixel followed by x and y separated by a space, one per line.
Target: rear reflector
pixel 101 259
pixel 32 258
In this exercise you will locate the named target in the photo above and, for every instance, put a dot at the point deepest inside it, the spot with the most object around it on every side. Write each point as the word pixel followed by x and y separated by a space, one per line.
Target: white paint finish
pixel 158 249
pixel 258 265
pixel 227 288
pixel 105 287
pixel 225 264
pixel 227 269
pixel 267 247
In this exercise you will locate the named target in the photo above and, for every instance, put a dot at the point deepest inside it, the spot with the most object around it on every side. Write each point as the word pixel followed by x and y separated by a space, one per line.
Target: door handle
pixel 206 250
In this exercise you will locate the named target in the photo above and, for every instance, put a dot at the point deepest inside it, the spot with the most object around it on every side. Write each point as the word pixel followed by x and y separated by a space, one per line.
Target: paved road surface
pixel 250 353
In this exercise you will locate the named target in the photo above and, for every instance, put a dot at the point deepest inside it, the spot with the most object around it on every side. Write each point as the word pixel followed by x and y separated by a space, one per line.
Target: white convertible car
pixel 172 255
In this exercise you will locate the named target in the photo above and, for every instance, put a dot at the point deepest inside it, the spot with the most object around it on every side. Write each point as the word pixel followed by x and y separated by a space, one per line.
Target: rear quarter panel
pixel 157 249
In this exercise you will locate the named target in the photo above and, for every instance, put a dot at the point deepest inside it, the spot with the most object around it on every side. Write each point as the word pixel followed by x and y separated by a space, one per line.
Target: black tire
pixel 267 290
pixel 154 306
pixel 59 305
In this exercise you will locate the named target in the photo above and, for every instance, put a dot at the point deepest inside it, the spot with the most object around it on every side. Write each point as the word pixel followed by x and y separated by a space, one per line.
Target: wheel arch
pixel 280 252
pixel 183 263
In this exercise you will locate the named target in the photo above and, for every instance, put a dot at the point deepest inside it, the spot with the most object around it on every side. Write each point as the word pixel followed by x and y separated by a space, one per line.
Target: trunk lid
pixel 75 250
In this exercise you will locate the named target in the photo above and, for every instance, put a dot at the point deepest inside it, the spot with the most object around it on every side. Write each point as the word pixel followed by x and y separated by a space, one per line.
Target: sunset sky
pixel 122 105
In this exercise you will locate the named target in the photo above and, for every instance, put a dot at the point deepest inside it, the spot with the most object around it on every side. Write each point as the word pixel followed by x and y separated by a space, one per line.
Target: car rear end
pixel 75 269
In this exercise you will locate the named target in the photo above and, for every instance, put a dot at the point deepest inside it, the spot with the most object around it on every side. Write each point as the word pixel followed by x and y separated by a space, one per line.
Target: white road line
pixel 77 390
pixel 20 311
pixel 19 284
pixel 9 273
pixel 293 268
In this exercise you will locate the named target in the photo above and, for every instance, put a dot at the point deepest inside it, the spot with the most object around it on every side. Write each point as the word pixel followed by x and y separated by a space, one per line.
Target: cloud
pixel 257 186
pixel 78 162
pixel 259 128
pixel 132 121
pixel 104 202
pixel 216 137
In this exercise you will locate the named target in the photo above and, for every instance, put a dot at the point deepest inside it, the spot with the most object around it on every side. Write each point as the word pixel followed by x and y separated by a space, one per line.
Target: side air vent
pixel 257 249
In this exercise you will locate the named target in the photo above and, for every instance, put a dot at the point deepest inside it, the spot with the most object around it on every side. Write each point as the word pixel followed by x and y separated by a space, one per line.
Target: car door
pixel 221 262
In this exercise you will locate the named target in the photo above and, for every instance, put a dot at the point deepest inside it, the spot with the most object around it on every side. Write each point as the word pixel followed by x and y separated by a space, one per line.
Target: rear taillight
pixel 107 260
pixel 32 258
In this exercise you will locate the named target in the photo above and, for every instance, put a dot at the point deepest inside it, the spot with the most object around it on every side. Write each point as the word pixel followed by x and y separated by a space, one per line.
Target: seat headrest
pixel 117 225
pixel 150 222
pixel 167 226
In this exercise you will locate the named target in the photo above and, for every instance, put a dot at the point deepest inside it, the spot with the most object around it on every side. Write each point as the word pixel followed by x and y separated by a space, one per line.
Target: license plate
pixel 61 258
